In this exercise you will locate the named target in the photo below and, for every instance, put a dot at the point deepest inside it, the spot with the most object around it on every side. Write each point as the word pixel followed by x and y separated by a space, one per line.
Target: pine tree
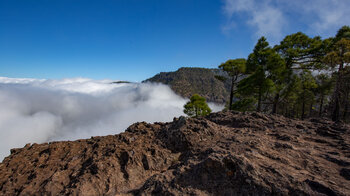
pixel 265 67
pixel 299 53
pixel 234 68
pixel 197 106
pixel 337 59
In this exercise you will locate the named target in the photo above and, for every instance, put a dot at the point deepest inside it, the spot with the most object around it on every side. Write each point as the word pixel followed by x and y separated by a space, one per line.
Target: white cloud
pixel 232 6
pixel 275 18
pixel 323 17
pixel 261 15
pixel 268 21
pixel 33 110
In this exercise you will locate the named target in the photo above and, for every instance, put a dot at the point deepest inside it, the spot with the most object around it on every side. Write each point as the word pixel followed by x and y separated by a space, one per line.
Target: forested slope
pixel 189 80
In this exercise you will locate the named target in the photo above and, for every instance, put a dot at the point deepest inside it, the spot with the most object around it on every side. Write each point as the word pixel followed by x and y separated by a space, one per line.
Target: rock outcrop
pixel 187 81
pixel 225 153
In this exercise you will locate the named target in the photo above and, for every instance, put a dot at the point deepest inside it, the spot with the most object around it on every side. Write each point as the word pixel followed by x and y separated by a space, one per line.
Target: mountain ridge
pixel 187 81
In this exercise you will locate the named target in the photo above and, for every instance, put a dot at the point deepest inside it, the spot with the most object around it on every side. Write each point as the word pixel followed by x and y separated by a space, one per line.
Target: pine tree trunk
pixel 336 108
pixel 346 107
pixel 259 100
pixel 303 111
pixel 293 112
pixel 275 102
pixel 310 110
pixel 231 93
pixel 287 113
pixel 321 105
pixel 346 111
pixel 336 100
pixel 303 107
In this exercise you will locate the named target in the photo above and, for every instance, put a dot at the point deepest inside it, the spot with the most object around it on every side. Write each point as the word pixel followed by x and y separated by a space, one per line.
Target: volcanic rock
pixel 225 153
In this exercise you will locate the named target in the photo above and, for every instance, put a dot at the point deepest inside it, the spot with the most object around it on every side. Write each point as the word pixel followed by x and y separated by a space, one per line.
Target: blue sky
pixel 135 39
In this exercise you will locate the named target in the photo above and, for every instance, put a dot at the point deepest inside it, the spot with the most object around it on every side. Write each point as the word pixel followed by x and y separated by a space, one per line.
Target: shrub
pixel 197 106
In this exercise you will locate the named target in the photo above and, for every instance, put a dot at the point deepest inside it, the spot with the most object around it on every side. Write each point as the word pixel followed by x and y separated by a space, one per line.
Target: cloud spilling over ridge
pixel 272 18
pixel 35 110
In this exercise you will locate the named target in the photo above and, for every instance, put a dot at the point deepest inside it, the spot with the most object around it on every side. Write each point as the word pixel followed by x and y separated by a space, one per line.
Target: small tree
pixel 197 106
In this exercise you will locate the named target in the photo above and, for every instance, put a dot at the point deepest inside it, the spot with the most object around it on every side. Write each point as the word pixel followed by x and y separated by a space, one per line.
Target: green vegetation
pixel 234 69
pixel 196 106
pixel 300 77
pixel 193 80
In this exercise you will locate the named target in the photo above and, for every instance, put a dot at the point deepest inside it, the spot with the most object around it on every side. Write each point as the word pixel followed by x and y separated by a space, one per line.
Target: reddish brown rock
pixel 226 153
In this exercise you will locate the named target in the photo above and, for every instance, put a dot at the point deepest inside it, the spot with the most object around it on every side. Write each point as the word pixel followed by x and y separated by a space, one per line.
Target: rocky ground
pixel 226 153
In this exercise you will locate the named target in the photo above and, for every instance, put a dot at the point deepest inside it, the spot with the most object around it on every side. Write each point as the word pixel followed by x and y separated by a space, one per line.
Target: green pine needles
pixel 301 77
pixel 197 106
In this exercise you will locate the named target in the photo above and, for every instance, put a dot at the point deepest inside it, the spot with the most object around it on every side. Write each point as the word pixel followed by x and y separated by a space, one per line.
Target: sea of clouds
pixel 39 110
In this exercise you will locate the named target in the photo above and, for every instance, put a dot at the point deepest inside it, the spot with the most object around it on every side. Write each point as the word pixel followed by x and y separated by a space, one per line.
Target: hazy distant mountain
pixel 187 81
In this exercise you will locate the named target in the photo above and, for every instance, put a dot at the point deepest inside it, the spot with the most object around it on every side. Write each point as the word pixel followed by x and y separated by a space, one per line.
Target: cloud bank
pixel 34 110
pixel 273 18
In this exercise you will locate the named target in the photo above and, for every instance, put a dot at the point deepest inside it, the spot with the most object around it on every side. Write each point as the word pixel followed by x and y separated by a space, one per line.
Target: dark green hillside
pixel 187 81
